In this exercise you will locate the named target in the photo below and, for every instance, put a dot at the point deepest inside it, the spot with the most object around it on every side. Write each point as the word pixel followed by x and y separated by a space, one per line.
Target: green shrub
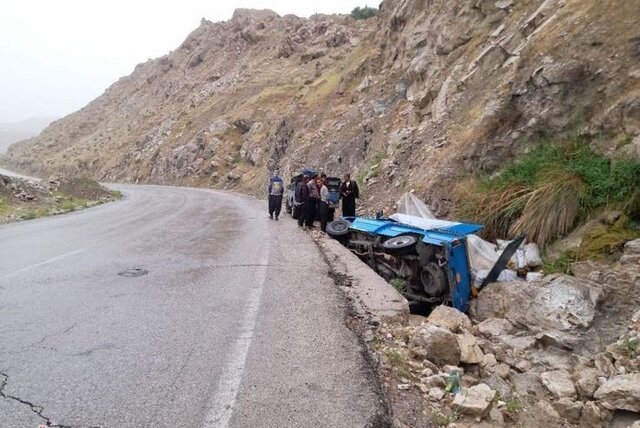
pixel 549 190
pixel 399 284
pixel 364 12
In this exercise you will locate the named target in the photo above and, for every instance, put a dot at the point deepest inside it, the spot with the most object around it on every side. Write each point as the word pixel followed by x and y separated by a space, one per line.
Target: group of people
pixel 312 201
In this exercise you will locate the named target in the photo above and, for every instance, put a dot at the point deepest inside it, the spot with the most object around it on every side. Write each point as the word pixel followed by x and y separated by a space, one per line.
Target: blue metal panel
pixel 459 275
pixel 465 228
pixel 391 228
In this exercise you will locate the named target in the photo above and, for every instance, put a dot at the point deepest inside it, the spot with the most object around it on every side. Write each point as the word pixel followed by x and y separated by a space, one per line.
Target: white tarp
pixel 421 222
pixel 410 204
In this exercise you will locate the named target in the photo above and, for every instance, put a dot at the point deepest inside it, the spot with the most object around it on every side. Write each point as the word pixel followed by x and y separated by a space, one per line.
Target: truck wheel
pixel 403 244
pixel 433 280
pixel 339 229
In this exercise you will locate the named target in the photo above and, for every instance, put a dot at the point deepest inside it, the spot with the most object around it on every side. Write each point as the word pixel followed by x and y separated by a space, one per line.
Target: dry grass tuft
pixel 550 209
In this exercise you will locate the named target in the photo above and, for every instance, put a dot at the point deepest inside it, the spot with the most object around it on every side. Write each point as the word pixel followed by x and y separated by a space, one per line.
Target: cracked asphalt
pixel 236 323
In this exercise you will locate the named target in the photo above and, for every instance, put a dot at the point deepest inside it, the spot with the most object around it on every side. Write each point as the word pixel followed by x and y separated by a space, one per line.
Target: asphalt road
pixel 235 324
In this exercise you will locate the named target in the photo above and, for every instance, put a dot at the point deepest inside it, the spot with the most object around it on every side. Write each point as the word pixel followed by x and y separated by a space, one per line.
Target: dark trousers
pixel 323 214
pixel 302 212
pixel 349 206
pixel 275 205
pixel 332 214
pixel 310 212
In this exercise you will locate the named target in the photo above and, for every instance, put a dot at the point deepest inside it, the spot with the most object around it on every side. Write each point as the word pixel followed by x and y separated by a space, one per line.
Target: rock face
pixel 620 393
pixel 475 401
pixel 437 344
pixel 443 88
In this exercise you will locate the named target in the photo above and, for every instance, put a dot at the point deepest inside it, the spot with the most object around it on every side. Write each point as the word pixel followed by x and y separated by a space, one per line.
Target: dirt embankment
pixel 26 199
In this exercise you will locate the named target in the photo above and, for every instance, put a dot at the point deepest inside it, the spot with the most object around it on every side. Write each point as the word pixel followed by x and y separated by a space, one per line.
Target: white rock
pixel 558 383
pixel 475 401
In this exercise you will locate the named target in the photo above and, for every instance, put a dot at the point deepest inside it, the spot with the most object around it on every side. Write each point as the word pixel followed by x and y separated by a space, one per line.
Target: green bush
pixel 551 189
pixel 364 12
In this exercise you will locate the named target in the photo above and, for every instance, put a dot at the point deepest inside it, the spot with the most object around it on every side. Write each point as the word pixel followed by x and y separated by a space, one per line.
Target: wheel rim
pixel 400 241
pixel 339 227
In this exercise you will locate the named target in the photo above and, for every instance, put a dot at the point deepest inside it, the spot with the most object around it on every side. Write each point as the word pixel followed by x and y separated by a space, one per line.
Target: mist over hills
pixel 12 132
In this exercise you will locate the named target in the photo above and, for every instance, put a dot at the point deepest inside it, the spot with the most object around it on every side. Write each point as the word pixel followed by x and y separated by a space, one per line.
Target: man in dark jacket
pixel 349 192
pixel 301 197
pixel 276 190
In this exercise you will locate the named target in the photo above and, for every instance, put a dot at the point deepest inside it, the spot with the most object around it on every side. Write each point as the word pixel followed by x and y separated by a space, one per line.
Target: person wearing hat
pixel 276 190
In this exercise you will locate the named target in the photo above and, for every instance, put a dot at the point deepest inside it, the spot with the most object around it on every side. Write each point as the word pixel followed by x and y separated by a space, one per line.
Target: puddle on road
pixel 133 272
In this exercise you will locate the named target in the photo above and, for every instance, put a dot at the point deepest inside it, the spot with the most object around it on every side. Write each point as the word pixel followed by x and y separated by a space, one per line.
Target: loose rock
pixel 558 383
pixel 569 409
pixel 437 344
pixel 470 352
pixel 620 393
pixel 436 394
pixel 586 381
pixel 449 318
pixel 475 401
pixel 495 327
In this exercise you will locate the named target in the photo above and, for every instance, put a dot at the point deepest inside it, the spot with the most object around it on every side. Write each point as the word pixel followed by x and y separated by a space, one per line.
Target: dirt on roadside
pixel 27 199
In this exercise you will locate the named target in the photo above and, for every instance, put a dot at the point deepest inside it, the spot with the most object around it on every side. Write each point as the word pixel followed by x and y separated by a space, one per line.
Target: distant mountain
pixel 16 131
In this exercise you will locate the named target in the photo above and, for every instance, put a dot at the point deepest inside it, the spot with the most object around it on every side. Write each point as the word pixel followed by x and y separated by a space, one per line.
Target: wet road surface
pixel 232 322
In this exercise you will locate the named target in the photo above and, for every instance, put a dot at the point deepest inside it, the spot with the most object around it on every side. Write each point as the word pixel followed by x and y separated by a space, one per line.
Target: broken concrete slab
pixel 376 296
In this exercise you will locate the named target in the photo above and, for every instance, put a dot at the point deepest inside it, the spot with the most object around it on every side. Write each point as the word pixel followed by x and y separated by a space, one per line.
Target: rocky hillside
pixel 424 94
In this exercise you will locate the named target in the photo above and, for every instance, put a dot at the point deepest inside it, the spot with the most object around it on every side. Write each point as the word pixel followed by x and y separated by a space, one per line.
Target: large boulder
pixel 558 383
pixel 564 303
pixel 620 393
pixel 436 344
pixel 449 318
pixel 560 302
pixel 475 401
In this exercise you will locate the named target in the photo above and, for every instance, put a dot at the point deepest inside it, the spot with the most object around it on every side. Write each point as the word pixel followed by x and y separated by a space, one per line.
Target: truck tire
pixel 400 245
pixel 339 229
pixel 433 280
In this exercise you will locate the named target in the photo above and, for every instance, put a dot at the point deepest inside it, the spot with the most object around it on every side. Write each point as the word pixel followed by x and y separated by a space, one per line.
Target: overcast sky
pixel 57 55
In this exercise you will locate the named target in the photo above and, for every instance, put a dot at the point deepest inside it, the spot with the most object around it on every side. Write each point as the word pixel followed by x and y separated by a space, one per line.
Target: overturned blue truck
pixel 430 256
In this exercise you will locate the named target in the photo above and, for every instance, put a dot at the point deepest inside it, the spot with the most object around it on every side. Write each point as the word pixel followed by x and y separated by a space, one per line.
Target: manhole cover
pixel 133 272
